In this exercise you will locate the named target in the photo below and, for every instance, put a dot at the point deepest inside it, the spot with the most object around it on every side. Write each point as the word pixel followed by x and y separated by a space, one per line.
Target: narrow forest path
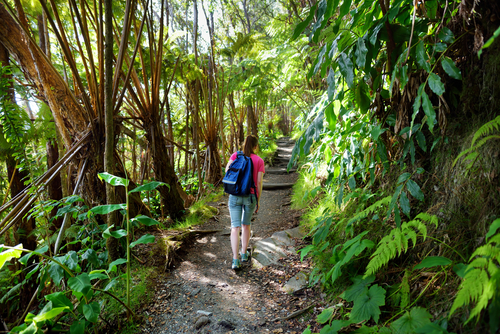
pixel 204 295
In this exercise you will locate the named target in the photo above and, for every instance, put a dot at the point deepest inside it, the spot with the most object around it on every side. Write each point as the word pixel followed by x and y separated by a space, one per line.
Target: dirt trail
pixel 204 295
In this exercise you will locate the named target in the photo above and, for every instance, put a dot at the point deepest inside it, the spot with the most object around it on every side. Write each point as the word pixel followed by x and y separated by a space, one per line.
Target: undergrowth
pixel 200 211
pixel 392 253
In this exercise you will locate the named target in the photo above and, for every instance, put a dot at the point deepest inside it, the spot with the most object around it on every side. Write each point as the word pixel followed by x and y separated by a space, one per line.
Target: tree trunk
pixel 163 169
pixel 109 164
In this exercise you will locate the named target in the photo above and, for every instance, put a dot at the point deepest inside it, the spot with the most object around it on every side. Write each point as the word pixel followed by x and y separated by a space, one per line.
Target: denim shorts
pixel 241 209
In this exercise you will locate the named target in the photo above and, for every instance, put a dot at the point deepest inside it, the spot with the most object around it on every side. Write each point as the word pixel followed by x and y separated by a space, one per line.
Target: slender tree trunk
pixel 111 243
pixel 170 134
pixel 54 188
pixel 196 97
pixel 188 107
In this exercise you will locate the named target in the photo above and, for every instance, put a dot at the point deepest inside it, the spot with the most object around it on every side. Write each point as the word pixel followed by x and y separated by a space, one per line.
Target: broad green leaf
pixel 450 68
pixel 113 180
pixel 335 327
pixel 331 118
pixel 24 329
pixel 325 316
pixel 435 84
pixel 418 102
pixel 403 177
pixel 367 305
pixel 304 251
pixel 431 8
pixel 405 204
pixel 359 287
pixel 149 186
pixel 9 254
pixel 367 330
pixel 446 35
pixel 397 217
pixel 50 314
pixel 98 276
pixel 302 25
pixel 58 299
pixel 363 97
pixel 80 285
pixel 433 261
pixel 344 8
pixel 118 234
pixel 347 70
pixel 428 110
pixel 422 58
pixel 78 327
pixel 307 330
pixel 493 228
pixel 71 260
pixel 352 183
pixel 316 28
pixel 411 321
pixel 145 239
pixel 489 41
pixel 415 190
pixel 56 272
pixel 361 52
pixel 376 30
pixel 91 311
pixel 330 80
pixel 421 140
pixel 115 234
pixel 113 282
pixel 107 208
pixel 145 220
pixel 112 265
pixel 91 256
pixel 376 132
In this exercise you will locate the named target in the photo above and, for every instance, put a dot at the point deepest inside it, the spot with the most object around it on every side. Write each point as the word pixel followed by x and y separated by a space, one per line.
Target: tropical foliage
pixel 393 104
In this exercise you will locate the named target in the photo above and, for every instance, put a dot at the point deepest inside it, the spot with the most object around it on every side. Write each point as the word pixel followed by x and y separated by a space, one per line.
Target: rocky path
pixel 204 295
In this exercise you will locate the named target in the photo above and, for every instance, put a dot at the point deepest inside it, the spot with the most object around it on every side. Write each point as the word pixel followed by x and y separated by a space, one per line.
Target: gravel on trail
pixel 202 294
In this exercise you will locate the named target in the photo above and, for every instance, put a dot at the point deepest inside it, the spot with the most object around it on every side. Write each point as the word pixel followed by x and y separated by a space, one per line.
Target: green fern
pixel 484 130
pixel 392 245
pixel 369 210
pixel 482 277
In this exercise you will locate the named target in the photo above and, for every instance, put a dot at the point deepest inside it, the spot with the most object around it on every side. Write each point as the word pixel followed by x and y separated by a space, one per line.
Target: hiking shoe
pixel 244 256
pixel 236 264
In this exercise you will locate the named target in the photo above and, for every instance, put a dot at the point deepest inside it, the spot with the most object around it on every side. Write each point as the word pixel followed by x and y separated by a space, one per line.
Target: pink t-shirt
pixel 258 166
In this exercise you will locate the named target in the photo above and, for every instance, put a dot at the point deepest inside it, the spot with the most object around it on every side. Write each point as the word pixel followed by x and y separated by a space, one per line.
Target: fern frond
pixel 481 280
pixel 471 288
pixel 386 250
pixel 396 242
pixel 486 129
pixel 412 235
pixel 369 210
pixel 428 218
pixel 419 226
pixel 480 262
pixel 488 250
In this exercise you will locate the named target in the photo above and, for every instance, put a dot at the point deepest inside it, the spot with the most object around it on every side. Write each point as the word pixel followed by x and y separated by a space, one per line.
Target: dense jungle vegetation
pixel 118 116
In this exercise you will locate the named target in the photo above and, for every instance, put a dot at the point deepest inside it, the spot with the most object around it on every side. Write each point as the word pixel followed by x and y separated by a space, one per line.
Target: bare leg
pixel 235 241
pixel 245 237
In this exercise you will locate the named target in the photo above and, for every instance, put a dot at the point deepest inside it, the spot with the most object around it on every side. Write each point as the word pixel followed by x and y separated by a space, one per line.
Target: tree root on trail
pixel 294 314
pixel 174 241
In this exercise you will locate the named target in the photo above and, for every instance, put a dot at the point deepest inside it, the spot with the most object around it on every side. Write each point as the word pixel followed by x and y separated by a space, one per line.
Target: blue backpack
pixel 239 177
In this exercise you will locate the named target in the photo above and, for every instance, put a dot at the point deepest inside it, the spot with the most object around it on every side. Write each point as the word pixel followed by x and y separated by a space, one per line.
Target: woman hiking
pixel 241 208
